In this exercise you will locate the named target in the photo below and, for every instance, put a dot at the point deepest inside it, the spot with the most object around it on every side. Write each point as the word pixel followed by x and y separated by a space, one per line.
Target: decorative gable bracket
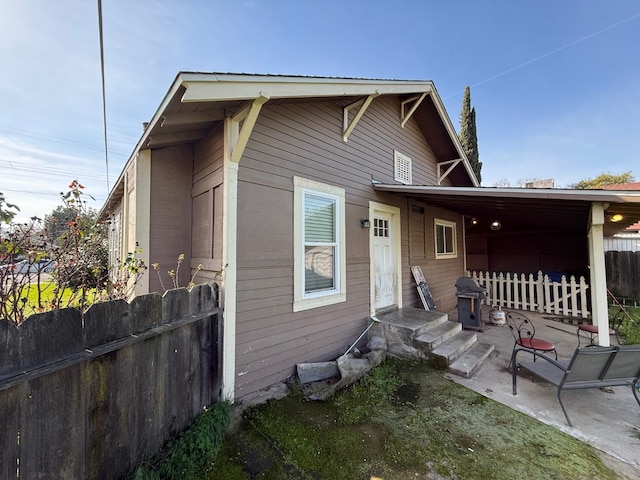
pixel 347 127
pixel 451 165
pixel 247 117
pixel 417 100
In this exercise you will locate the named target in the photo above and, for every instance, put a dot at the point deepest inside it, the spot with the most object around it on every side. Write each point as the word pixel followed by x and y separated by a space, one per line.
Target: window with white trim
pixel 402 168
pixel 445 238
pixel 319 242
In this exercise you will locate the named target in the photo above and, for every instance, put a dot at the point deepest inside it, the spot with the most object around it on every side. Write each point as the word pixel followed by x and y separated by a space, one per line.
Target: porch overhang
pixel 522 210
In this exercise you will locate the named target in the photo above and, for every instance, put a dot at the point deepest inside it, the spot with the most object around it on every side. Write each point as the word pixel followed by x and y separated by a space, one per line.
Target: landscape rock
pixel 315 372
pixel 351 369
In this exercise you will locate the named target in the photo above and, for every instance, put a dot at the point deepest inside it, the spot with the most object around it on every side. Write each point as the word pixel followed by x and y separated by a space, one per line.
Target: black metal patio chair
pixel 524 335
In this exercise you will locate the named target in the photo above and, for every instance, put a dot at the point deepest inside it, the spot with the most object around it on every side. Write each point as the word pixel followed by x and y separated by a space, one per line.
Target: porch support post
pixel 237 130
pixel 599 308
pixel 229 234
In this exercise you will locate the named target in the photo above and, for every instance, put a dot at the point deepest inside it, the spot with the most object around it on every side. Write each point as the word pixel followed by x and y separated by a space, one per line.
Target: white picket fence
pixel 535 294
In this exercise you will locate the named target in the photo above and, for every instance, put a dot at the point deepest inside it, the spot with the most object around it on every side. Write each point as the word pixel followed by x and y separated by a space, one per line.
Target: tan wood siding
pixel 441 274
pixel 305 139
pixel 170 232
pixel 207 211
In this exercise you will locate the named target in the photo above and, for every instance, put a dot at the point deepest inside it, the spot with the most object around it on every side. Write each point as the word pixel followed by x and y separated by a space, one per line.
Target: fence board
pixel 9 441
pixel 9 348
pixel 51 431
pixel 623 274
pixel 47 337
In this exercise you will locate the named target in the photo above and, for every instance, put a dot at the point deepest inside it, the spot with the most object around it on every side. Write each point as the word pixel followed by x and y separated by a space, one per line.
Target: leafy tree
pixel 57 222
pixel 603 180
pixel 468 134
pixel 81 245
pixel 7 210
pixel 78 255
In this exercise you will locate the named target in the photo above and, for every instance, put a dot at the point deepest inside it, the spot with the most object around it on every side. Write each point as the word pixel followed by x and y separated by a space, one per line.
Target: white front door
pixel 385 262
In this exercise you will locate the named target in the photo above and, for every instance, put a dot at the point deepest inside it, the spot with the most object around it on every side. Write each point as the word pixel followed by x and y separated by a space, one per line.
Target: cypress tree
pixel 468 135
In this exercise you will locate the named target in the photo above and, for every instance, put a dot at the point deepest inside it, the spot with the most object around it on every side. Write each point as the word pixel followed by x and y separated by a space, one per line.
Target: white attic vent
pixel 401 168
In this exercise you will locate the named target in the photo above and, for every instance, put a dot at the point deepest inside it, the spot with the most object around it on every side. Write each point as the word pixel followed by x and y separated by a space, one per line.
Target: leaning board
pixel 423 289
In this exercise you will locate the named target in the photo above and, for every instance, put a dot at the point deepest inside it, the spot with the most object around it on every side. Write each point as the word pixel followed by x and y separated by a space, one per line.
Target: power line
pixel 104 96
pixel 66 141
pixel 75 173
pixel 32 192
pixel 552 52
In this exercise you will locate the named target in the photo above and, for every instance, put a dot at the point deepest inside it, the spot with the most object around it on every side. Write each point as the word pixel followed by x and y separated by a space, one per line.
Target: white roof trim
pixel 209 89
pixel 454 136
pixel 614 196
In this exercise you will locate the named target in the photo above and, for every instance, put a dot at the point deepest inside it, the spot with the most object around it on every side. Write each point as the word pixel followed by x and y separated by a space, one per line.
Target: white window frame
pixel 453 253
pixel 402 168
pixel 301 299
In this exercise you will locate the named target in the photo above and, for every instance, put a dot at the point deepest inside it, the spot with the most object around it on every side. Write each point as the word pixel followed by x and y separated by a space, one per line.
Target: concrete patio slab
pixel 608 420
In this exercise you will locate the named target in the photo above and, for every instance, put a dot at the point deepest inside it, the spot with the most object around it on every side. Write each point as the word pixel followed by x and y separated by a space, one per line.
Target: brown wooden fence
pixel 90 396
pixel 623 274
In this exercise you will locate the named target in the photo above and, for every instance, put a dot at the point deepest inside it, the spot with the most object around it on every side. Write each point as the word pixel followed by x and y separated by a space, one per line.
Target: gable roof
pixel 196 101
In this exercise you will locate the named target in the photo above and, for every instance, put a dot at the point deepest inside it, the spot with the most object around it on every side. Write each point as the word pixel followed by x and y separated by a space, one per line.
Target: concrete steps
pixel 448 351
pixel 418 334
pixel 437 335
pixel 469 362
pixel 401 326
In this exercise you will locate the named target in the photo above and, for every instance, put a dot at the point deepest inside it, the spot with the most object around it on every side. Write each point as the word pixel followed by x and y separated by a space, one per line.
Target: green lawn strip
pixel 39 296
pixel 426 424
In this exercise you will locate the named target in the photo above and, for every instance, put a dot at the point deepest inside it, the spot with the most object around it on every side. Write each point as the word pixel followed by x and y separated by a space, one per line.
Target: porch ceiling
pixel 522 210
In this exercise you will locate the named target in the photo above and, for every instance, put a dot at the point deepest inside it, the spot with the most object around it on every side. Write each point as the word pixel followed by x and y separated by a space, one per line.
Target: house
pixel 314 196
pixel 629 239
pixel 622 257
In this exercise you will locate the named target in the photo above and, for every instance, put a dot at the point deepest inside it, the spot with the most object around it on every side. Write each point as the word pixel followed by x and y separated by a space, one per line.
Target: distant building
pixel 629 239
pixel 548 183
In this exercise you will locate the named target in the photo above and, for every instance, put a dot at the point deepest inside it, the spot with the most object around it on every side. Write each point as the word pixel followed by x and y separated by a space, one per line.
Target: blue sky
pixel 555 84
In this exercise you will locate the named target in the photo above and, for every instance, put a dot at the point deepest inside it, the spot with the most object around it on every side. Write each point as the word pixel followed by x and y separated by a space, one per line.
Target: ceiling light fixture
pixel 496 225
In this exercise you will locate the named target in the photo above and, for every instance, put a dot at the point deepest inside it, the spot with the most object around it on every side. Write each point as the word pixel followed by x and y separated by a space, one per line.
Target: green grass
pixel 189 454
pixel 403 420
pixel 630 328
pixel 38 297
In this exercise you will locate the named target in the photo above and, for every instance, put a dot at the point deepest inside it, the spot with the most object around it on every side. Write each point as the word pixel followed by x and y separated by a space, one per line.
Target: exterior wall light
pixel 616 218
pixel 365 223
pixel 496 225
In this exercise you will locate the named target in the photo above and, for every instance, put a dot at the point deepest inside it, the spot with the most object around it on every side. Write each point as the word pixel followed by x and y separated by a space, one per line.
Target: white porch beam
pixel 166 139
pixel 189 118
pixel 248 117
pixel 347 127
pixel 451 163
pixel 417 100
pixel 599 308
